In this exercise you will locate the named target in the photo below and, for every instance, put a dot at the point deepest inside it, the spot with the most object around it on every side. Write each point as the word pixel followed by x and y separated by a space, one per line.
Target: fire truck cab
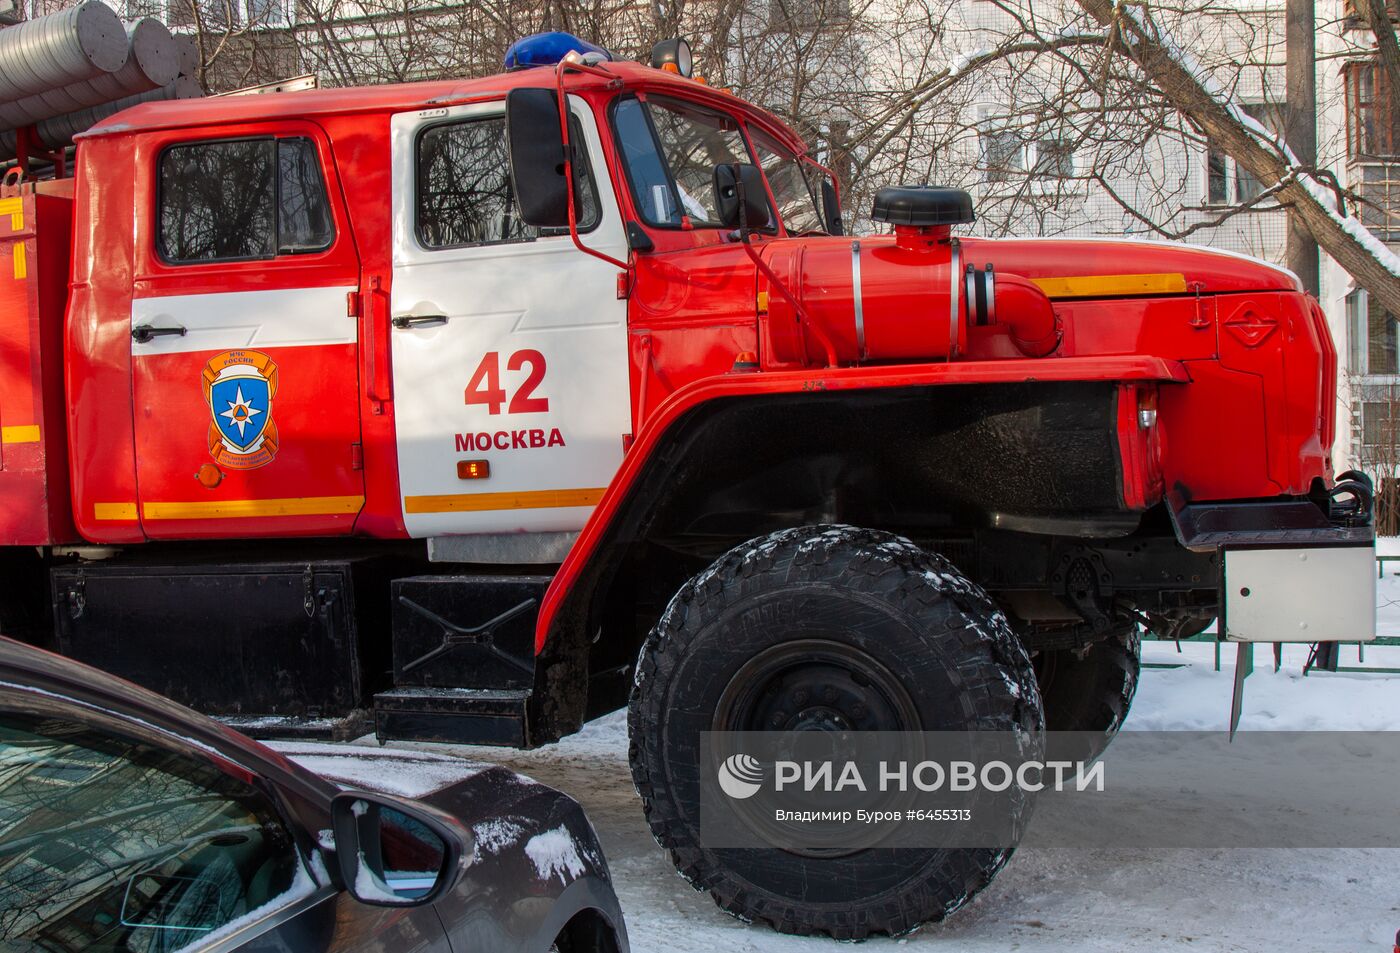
pixel 468 410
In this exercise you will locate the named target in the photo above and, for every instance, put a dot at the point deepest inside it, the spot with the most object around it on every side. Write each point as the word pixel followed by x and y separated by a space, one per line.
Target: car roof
pixel 395 97
pixel 29 669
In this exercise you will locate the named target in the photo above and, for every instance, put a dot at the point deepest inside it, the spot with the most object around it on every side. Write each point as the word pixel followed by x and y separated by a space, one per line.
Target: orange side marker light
pixel 209 476
pixel 745 362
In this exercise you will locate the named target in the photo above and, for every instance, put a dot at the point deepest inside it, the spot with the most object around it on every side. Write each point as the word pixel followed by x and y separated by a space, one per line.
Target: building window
pixel 1379 420
pixel 1227 182
pixel 1054 159
pixel 807 14
pixel 1371 337
pixel 137 9
pixel 1373 114
pixel 263 13
pixel 181 14
pixel 1003 154
pixel 1351 11
pixel 221 14
pixel 1379 191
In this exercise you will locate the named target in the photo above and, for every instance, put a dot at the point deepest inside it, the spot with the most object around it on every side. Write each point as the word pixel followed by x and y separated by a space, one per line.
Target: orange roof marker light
pixel 673 56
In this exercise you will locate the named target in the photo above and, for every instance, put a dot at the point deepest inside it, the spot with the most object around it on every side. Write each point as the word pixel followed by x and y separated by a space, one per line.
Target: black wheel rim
pixel 807 685
pixel 815 685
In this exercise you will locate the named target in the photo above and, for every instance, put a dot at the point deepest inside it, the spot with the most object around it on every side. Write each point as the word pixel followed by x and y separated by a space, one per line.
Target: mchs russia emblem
pixel 239 387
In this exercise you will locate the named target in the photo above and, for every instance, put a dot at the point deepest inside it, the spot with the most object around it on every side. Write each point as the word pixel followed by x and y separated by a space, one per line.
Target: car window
pixel 111 844
pixel 242 199
pixel 672 174
pixel 796 186
pixel 463 190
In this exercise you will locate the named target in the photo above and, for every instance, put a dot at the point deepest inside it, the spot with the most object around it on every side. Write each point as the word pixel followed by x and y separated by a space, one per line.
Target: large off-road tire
pixel 895 629
pixel 1089 691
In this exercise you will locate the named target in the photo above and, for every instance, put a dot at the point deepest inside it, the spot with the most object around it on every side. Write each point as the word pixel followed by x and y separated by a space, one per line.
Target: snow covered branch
pixel 1135 34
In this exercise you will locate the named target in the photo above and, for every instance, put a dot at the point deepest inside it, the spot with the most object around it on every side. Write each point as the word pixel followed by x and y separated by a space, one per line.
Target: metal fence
pixel 1278 646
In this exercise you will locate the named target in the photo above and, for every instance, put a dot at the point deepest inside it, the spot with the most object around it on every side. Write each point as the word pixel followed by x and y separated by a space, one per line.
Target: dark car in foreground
pixel 129 823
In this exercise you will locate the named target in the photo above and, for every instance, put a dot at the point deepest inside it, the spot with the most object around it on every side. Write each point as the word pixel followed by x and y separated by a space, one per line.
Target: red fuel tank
pixel 907 297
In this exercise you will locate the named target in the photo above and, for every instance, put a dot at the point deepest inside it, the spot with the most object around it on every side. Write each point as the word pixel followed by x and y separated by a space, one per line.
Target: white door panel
pixel 548 318
pixel 286 317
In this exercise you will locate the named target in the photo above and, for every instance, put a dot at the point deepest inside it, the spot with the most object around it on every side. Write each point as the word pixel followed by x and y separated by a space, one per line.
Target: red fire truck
pixel 469 410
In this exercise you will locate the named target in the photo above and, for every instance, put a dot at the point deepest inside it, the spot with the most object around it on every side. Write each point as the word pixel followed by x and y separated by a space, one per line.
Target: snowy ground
pixel 1115 901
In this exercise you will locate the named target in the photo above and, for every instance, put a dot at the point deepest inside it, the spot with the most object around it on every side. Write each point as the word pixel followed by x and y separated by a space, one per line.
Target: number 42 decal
pixel 485 385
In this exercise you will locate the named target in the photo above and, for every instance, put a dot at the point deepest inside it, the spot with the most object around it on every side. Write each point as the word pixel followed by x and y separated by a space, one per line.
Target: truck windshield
pixel 796 186
pixel 671 149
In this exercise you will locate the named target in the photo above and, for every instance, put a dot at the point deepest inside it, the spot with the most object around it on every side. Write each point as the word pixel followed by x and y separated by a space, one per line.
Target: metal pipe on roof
pixel 58 132
pixel 57 49
pixel 188 52
pixel 153 61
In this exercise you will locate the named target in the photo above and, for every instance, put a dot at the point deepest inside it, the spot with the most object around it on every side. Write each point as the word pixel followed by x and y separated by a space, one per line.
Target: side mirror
pixel 536 147
pixel 395 853
pixel 730 181
pixel 831 208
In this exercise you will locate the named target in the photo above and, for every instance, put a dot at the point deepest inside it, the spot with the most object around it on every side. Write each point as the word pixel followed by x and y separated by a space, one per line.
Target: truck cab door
pixel 509 345
pixel 244 354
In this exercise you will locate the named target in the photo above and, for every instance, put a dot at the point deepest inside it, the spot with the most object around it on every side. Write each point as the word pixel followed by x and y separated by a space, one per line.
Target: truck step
pixel 478 716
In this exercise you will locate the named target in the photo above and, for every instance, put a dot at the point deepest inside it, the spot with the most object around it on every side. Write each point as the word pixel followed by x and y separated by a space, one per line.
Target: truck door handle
pixel 145 333
pixel 419 320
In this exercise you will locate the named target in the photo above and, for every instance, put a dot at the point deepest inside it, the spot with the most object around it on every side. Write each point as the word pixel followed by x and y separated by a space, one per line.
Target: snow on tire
pixel 905 642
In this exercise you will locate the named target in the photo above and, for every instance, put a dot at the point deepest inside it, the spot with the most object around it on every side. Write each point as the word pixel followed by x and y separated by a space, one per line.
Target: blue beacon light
pixel 547 49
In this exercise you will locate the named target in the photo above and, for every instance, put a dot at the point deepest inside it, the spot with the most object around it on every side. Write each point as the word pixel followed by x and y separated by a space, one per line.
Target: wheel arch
pixel 760 433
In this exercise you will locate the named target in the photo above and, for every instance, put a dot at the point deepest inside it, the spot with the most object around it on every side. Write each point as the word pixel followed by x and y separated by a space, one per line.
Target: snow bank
pixel 1197 698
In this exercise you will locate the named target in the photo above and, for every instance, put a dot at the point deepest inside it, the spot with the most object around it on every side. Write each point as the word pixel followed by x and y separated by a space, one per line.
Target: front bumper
pixel 1290 572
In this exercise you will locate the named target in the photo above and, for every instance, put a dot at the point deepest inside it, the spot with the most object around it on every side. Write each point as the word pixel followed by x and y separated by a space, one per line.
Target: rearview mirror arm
pixel 569 159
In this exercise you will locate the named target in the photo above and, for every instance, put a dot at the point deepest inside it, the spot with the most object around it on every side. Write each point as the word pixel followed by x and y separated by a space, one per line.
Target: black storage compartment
pixel 268 639
pixel 475 632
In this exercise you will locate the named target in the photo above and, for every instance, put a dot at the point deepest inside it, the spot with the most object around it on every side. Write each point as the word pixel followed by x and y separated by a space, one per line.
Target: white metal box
pixel 1301 595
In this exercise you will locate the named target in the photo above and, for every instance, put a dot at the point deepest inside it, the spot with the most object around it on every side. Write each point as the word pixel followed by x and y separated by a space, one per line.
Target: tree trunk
pixel 1301 130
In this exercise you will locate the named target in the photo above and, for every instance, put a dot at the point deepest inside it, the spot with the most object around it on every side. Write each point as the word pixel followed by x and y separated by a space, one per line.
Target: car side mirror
pixel 396 853
pixel 740 198
pixel 536 146
pixel 831 208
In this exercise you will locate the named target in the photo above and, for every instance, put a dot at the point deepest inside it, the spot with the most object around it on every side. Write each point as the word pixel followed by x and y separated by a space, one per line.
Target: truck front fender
pixel 631 496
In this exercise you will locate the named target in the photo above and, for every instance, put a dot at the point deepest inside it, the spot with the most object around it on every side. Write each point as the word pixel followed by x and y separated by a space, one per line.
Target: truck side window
pixel 236 200
pixel 304 215
pixel 645 168
pixel 463 190
pixel 672 174
pixel 795 186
